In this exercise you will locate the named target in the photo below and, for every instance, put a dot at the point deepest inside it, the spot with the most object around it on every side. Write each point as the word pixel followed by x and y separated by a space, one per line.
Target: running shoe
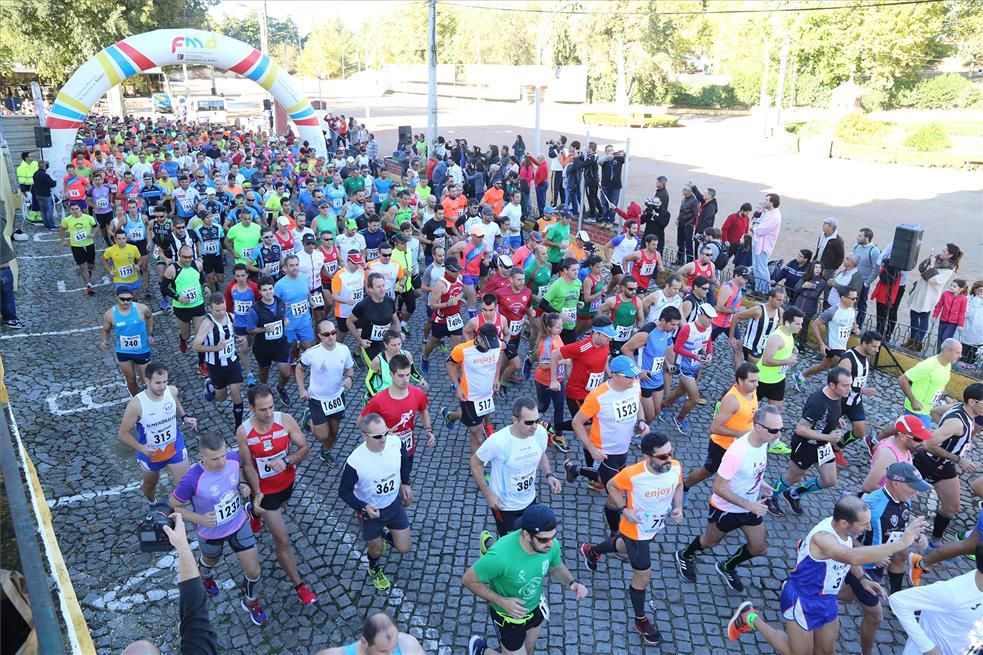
pixel 572 469
pixel 961 536
pixel 477 646
pixel 284 398
pixel 665 416
pixel 682 424
pixel 561 443
pixel 89 290
pixel 256 612
pixel 798 381
pixel 730 577
pixel 685 565
pixel 209 390
pixel 211 587
pixel 203 370
pixel 650 633
pixel 738 624
pixel 503 390
pixel 250 380
pixel 443 347
pixel 779 448
pixel 305 418
pixel 793 502
pixel 489 428
pixel 446 415
pixel 841 461
pixel 590 557
pixel 701 401
pixel 773 507
pixel 255 521
pixel 486 540
pixel 15 325
pixel 914 569
pixel 550 430
pixel 593 485
pixel 517 378
pixel 425 366
pixel 526 369
pixel 405 328
pixel 871 443
pixel 379 579
pixel 307 597
pixel 326 456
pixel 182 345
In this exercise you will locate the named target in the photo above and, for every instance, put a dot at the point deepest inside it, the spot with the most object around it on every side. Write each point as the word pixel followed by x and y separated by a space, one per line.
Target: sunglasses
pixel 663 457
pixel 770 430
pixel 378 436
pixel 530 423
pixel 544 540
pixel 631 288
pixel 385 254
pixel 124 299
pixel 328 334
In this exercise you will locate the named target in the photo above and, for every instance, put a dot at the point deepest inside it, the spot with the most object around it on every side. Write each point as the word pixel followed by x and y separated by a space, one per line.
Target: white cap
pixel 282 220
pixel 708 310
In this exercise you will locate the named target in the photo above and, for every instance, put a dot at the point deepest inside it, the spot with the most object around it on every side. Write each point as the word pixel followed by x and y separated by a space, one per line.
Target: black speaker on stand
pixel 907 245
pixel 405 134
pixel 42 138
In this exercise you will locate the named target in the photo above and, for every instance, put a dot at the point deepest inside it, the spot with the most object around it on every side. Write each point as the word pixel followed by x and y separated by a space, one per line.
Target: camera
pixel 153 539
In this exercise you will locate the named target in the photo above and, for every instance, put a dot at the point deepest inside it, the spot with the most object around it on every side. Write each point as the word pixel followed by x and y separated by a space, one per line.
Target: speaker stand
pixel 894 364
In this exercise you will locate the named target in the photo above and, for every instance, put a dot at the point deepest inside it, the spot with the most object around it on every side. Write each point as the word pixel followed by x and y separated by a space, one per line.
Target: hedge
pixel 930 137
pixel 949 91
pixel 609 119
pixel 857 129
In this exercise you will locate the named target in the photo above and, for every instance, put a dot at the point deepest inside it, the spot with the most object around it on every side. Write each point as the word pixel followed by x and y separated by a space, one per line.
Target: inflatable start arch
pixel 163 48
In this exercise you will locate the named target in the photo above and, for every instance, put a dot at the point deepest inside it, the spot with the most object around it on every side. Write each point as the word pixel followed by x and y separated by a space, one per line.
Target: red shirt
pixel 399 415
pixel 542 173
pixel 267 446
pixel 229 302
pixel 513 305
pixel 495 283
pixel 734 228
pixel 587 368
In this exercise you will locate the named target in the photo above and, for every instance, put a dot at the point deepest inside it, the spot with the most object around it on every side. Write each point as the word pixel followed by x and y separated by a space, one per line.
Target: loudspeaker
pixel 907 244
pixel 267 104
pixel 42 137
pixel 405 134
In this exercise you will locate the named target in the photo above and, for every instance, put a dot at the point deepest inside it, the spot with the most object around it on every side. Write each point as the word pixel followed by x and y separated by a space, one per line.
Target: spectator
pixel 888 290
pixel 766 226
pixel 542 181
pixel 809 290
pixel 848 276
pixel 455 172
pixel 527 177
pixel 591 182
pixel 519 148
pixel 934 273
pixel 735 227
pixel 632 215
pixel 790 274
pixel 573 163
pixel 867 255
pixel 689 208
pixel 745 254
pixel 438 178
pixel 972 334
pixel 830 249
pixel 41 186
pixel 557 153
pixel 951 309
pixel 612 164
pixel 706 215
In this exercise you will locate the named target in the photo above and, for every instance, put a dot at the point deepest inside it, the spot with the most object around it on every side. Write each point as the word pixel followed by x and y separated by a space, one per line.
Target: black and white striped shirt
pixel 215 336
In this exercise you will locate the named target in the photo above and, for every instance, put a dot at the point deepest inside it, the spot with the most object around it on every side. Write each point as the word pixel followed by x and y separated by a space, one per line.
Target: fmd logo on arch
pixel 193 42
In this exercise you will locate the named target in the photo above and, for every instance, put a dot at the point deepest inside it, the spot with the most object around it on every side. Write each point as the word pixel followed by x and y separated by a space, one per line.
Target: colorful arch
pixel 138 53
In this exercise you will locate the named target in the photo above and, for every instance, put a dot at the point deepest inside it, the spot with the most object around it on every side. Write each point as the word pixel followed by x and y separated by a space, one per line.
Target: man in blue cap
pixel 509 576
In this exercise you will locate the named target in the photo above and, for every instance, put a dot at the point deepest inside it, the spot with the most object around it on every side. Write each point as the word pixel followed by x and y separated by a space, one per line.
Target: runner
pixel 545 394
pixel 644 494
pixel 134 326
pixel 563 297
pixel 122 261
pixel 294 290
pixel 514 453
pixel 812 444
pixel 648 265
pixel 857 362
pixel 380 635
pixel 445 301
pixel 732 419
pixel 591 293
pixel 210 234
pixel 134 224
pixel 347 289
pixel 99 198
pixel 184 283
pixel 618 248
pixel 399 405
pixel 216 338
pixel 391 272
pixel 242 238
pixel 702 266
pixel 489 313
pixel 333 260
pixel 557 239
pixel 650 346
pixel 510 577
pixel 765 318
pixel 668 296
pixel 736 501
pixel 515 304
pixel 270 469
pixel 331 367
pixel 809 596
pixel 76 228
pixel 840 322
pixel 624 309
pixel 693 349
pixel 369 486
pixel 474 368
pixel 154 413
pixel 267 321
pixel 473 258
pixel 372 316
pixel 910 435
pixel 778 356
pixel 212 487
pixel 406 255
pixel 612 409
pixel 310 265
pixel 240 296
pixel 728 305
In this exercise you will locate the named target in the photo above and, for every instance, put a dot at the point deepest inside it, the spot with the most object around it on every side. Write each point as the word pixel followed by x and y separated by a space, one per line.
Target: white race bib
pixel 626 410
pixel 521 483
pixel 596 303
pixel 299 308
pixel 569 314
pixel 210 247
pixel 80 235
pixel 378 331
pixel 229 350
pixel 515 327
pixel 825 453
pixel 317 299
pixel 228 507
pixel 894 536
pixel 245 253
pixel 134 342
pixel 647 269
pixel 191 294
pixel 358 294
pixel 623 332
pixel 371 253
pixel 485 406
pixel 594 380
pixel 657 363
pixel 125 271
pixel 102 203
pixel 455 322
pixel 161 439
pixel 274 330
pixel 264 464
pixel 937 398
pixel 333 405
pixel 137 234
pixel 844 332
pixel 242 307
pixel 651 522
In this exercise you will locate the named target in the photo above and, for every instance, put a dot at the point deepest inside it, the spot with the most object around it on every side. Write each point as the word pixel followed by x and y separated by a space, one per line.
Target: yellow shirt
pixel 124 263
pixel 79 230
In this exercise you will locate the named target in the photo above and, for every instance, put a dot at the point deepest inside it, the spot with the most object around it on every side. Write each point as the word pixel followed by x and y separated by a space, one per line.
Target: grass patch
pixel 611 119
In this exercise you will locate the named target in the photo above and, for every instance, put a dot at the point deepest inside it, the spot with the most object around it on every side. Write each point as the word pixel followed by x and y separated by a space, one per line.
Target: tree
pixel 283 37
pixel 324 50
pixel 57 37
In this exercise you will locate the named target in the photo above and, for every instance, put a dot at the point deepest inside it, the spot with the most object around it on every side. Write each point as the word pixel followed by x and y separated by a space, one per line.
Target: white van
pixel 208 109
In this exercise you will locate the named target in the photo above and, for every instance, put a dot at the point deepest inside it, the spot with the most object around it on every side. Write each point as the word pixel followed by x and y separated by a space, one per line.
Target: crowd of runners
pixel 569 359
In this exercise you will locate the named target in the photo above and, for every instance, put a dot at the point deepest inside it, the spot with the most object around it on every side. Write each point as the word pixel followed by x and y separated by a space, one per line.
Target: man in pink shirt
pixel 765 227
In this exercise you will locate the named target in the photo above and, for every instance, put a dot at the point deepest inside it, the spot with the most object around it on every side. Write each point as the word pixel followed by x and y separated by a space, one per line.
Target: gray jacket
pixel 867 257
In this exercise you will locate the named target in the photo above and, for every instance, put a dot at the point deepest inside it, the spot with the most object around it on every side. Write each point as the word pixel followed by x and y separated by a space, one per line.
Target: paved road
pixel 127 595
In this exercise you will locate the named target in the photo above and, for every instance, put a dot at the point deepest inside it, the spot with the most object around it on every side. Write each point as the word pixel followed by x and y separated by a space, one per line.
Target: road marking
pixel 67 254
pixel 56 333
pixel 56 236
pixel 85 401
pixel 89 495
pixel 62 286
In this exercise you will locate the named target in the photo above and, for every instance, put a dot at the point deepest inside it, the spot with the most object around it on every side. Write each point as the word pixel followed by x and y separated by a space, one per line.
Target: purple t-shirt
pixel 218 492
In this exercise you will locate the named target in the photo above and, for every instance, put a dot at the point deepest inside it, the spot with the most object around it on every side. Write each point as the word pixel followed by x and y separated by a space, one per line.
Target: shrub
pixel 608 119
pixel 942 92
pixel 930 137
pixel 874 99
pixel 857 129
pixel 706 97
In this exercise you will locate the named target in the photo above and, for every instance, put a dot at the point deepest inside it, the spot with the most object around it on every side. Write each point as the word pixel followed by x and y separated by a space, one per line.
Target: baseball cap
pixel 831 220
pixel 707 310
pixel 536 518
pixel 309 238
pixel 210 191
pixel 485 209
pixel 624 365
pixel 549 210
pixel 505 261
pixel 148 176
pixel 583 236
pixel 477 231
pixel 490 333
pixel 902 472
pixel 742 271
pixel 282 220
pixel 912 425
pixel 351 225
pixel 452 264
pixel 350 160
pixel 411 183
pixel 354 256
pixel 323 203
pixel 606 330
pixel 536 236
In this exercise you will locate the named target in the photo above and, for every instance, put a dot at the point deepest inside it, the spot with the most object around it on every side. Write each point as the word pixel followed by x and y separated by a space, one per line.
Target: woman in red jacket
pixel 735 227
pixel 951 309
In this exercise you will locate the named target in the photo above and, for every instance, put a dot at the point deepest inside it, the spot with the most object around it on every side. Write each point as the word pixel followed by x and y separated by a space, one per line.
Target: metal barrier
pixel 46 624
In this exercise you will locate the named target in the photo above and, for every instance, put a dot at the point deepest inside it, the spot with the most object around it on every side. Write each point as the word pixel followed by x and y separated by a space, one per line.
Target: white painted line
pixel 64 403
pixel 25 335
pixel 62 286
pixel 67 254
pixel 54 236
pixel 89 495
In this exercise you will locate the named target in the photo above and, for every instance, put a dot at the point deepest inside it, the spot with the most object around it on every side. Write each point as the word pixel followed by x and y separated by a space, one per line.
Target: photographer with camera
pixel 556 152
pixel 197 635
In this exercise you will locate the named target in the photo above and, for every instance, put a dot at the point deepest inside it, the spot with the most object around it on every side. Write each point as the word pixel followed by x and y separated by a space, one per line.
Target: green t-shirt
pixel 423 192
pixel 537 275
pixel 928 379
pixel 353 184
pixel 325 224
pixel 512 572
pixel 187 283
pixel 558 234
pixel 563 296
pixel 79 230
pixel 244 239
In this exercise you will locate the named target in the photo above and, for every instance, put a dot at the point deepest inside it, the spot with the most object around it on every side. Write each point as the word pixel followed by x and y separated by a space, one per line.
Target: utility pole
pixel 782 69
pixel 763 101
pixel 432 73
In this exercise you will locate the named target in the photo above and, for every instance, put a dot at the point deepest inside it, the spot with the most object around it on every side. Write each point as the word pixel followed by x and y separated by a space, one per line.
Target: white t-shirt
pixel 839 325
pixel 513 213
pixel 492 230
pixel 310 266
pixel 743 466
pixel 346 244
pixel 378 473
pixel 514 462
pixel 951 615
pixel 327 369
pixel 626 246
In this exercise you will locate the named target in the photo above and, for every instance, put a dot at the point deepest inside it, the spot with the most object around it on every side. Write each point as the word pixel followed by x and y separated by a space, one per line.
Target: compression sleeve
pixel 346 489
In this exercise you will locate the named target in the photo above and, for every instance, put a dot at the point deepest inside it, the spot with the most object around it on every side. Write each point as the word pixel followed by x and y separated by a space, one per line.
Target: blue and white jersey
pixel 888 519
pixel 295 295
pixel 131 332
pixel 813 578
pixel 652 356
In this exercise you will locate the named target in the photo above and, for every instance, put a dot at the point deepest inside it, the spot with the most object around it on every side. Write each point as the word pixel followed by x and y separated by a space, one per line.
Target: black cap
pixel 490 332
pixel 452 264
pixel 309 238
pixel 536 518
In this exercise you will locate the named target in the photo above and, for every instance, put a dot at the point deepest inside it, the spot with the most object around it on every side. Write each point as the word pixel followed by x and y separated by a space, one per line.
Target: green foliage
pixel 874 99
pixel 284 38
pixel 930 137
pixel 857 129
pixel 706 97
pixel 609 119
pixel 324 51
pixel 809 91
pixel 943 92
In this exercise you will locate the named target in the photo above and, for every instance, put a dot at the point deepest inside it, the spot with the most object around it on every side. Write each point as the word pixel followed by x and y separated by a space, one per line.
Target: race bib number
pixel 264 465
pixel 657 364
pixel 485 406
pixel 246 252
pixel 317 299
pixel 274 330
pixel 191 294
pixel 595 304
pixel 825 453
pixel 859 382
pixel 623 332
pixel 336 203
pixel 358 294
pixel 80 235
pixel 894 536
pixel 569 314
pixel 455 322
pixel 378 331
pixel 228 507
pixel 564 245
pixel 272 268
pixel 407 439
pixel 333 405
pixel 651 522
pixel 646 269
pixel 515 327
pixel 102 203
pixel 843 333
pixel 372 253
pixel 134 342
pixel 162 438
pixel 125 271
pixel 937 398
pixel 385 486
pixel 210 247
pixel 625 411
pixel 228 350
pixel 137 234
pixel 300 308
pixel 331 267
pixel 522 483
pixel 594 380
pixel 242 307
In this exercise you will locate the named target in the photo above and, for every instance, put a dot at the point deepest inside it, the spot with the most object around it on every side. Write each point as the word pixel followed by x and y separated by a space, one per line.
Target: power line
pixel 578 12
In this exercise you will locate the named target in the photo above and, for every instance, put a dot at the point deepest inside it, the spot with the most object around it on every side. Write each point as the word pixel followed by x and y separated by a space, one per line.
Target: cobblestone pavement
pixel 68 399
